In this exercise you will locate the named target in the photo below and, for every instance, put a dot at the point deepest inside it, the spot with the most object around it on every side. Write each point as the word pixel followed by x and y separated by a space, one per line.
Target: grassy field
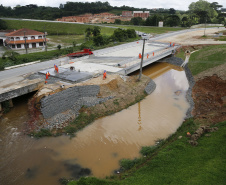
pixel 205 58
pixel 66 39
pixel 54 28
pixel 149 29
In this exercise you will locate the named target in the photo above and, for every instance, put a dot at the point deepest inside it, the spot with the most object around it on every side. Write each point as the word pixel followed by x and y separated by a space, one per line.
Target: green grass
pixel 150 29
pixel 177 162
pixel 181 163
pixel 66 39
pixel 206 58
pixel 221 38
pixel 25 58
pixel 42 133
pixel 55 28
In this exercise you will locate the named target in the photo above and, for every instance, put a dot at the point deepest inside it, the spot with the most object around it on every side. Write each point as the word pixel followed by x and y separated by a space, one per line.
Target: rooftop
pixel 20 32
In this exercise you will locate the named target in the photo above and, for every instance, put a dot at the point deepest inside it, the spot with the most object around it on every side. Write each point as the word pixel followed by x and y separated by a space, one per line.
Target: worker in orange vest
pixel 56 68
pixel 104 75
pixel 47 75
pixel 147 55
pixel 140 55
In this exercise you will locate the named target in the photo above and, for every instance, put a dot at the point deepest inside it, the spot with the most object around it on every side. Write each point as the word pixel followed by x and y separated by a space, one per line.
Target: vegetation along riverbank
pixel 200 164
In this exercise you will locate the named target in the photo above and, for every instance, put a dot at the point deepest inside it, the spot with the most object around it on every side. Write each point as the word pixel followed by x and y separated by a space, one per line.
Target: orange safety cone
pixel 188 134
pixel 147 55
pixel 140 55
pixel 153 54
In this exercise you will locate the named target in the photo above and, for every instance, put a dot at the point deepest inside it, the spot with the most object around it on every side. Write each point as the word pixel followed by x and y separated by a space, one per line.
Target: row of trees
pixel 33 11
pixel 199 12
pixel 94 36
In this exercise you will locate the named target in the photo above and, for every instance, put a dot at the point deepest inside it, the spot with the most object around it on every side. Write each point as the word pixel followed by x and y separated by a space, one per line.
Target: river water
pixel 97 149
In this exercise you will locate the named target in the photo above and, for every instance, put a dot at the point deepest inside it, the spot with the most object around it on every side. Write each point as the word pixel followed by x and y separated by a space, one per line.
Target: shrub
pixel 42 133
pixel 127 164
pixel 69 129
pixel 147 150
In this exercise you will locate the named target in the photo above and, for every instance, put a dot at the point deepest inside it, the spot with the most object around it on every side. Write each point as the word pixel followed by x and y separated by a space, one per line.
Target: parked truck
pixel 80 54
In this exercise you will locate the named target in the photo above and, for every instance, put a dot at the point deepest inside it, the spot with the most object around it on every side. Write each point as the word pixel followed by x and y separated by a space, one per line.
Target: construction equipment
pixel 80 54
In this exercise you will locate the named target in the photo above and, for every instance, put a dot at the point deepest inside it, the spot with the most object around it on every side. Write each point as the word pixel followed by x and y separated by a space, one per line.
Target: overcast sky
pixel 176 4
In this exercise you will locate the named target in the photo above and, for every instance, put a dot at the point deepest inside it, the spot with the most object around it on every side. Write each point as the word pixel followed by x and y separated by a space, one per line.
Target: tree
pixel 216 6
pixel 88 32
pixel 203 10
pixel 120 35
pixel 185 21
pixel 118 21
pixel 172 20
pixel 203 15
pixel 96 31
pixel 153 20
pixel 98 40
pixel 136 20
pixel 61 6
pixel 172 11
pixel 3 25
pixel 74 43
pixel 131 33
pixel 59 46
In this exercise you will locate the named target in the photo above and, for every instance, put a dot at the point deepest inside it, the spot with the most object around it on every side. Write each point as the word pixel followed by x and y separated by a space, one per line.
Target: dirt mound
pixel 209 95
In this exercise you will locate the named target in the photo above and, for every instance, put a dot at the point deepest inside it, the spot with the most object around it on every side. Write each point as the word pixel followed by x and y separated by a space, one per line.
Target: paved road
pixel 4 75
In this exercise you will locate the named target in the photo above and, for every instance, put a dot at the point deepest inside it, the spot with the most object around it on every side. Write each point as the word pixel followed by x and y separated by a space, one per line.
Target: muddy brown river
pixel 97 149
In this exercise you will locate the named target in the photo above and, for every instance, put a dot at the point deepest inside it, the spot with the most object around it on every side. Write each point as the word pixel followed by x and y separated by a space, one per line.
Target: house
pixel 17 39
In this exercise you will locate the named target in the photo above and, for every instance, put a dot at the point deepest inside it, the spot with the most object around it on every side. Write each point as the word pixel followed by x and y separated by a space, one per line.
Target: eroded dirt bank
pixel 209 95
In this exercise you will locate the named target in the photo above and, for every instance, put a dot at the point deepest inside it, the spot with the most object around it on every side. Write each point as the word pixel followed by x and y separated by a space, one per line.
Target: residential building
pixel 143 15
pixel 127 13
pixel 17 39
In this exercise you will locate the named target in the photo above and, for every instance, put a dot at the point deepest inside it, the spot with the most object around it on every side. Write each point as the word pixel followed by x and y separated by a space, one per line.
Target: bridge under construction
pixel 123 59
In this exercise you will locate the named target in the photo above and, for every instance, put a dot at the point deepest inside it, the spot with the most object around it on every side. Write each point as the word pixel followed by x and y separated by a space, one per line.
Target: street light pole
pixel 141 64
pixel 25 45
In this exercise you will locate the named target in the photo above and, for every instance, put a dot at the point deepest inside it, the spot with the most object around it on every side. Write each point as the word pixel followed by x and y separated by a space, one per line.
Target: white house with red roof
pixel 17 39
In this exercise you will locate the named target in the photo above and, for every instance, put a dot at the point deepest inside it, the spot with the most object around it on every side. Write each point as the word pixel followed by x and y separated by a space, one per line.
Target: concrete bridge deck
pixel 122 59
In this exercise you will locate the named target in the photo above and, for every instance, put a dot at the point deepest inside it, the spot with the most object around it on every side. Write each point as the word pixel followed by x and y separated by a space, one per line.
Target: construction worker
pixel 104 75
pixel 147 55
pixel 56 68
pixel 140 55
pixel 47 75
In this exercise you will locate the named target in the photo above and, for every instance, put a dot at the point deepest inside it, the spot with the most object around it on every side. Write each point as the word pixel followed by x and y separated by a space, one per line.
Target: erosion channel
pixel 97 149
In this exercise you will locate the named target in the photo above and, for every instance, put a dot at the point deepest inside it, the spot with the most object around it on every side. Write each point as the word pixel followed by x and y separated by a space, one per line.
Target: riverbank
pixel 203 164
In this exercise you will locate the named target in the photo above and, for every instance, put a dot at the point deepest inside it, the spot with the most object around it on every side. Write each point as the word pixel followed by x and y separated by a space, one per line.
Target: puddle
pixel 97 149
